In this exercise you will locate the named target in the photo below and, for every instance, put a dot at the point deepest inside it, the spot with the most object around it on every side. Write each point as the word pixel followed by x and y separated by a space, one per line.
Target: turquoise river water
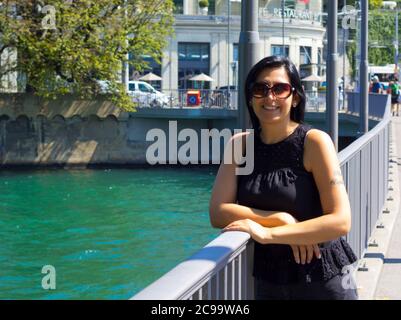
pixel 107 233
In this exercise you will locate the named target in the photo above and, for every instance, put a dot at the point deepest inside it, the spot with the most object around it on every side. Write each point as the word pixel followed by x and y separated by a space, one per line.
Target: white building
pixel 208 43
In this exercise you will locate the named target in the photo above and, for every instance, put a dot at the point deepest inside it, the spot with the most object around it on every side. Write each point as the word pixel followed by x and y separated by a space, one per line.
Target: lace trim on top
pixel 335 256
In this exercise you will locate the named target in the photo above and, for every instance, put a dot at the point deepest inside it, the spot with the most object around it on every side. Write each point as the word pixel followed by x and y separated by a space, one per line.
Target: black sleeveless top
pixel 280 182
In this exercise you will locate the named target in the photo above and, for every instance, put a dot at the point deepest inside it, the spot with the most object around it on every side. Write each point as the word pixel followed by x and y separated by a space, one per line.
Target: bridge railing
pixel 219 271
pixel 223 268
pixel 364 165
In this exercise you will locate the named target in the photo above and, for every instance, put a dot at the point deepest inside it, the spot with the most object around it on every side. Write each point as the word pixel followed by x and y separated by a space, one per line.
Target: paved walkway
pixel 389 284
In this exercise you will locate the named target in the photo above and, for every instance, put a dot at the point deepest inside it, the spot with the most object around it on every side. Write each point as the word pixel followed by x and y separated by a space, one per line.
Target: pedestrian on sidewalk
pixel 376 86
pixel 394 91
pixel 294 204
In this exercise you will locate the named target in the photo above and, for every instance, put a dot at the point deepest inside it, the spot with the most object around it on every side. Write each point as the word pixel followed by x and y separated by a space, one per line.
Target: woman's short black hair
pixel 272 62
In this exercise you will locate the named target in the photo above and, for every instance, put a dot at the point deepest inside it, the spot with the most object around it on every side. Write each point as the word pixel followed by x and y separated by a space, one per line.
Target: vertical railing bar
pixel 209 289
pixel 233 279
pixel 239 276
pixel 360 187
pixel 381 191
pixel 245 279
pixel 218 285
pixel 225 282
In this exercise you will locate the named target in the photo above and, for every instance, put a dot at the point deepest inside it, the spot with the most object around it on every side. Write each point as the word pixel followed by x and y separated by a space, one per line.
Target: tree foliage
pixel 381 37
pixel 382 34
pixel 375 4
pixel 66 46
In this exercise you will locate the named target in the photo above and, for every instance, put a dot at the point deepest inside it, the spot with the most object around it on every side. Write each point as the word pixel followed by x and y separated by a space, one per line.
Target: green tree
pixel 381 37
pixel 381 49
pixel 66 46
pixel 375 4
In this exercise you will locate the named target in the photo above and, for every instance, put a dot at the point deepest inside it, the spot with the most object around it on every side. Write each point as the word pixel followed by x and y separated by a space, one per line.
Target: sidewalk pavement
pixel 389 285
pixel 378 276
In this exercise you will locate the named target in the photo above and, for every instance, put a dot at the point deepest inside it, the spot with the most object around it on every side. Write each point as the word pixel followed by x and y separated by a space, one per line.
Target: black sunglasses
pixel 279 90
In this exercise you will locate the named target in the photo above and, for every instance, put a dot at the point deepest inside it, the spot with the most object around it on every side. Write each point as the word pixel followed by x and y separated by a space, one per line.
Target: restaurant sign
pixel 290 14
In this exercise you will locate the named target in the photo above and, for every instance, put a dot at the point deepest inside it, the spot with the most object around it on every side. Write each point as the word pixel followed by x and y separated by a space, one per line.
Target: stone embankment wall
pixel 74 132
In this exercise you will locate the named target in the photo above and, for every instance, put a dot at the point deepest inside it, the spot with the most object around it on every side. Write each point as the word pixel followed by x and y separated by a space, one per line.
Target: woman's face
pixel 270 108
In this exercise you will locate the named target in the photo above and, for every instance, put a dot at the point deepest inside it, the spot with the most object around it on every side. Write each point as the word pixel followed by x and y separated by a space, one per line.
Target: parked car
pixel 145 95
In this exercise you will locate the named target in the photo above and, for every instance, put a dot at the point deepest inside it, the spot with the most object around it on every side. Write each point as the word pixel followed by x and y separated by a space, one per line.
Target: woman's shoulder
pixel 316 141
pixel 316 137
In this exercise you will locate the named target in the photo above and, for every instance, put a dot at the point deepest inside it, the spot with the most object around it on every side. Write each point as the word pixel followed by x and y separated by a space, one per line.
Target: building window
pixel 279 50
pixel 212 7
pixel 290 4
pixel 305 55
pixel 235 52
pixel 193 59
pixel 178 6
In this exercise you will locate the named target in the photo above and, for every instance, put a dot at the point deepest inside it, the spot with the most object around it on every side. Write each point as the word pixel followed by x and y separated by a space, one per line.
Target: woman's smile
pixel 270 108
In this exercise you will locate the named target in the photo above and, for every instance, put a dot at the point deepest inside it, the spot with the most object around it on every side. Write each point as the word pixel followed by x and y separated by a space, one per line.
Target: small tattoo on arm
pixel 338 178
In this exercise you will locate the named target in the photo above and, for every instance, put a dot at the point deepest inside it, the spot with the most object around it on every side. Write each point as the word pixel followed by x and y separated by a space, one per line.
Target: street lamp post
pixel 363 75
pixel 396 43
pixel 332 59
pixel 344 53
pixel 282 15
pixel 249 54
pixel 228 52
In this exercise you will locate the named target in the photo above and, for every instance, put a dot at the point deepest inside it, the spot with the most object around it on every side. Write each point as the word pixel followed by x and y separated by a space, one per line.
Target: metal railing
pixel 364 165
pixel 173 99
pixel 222 269
pixel 315 101
pixel 219 271
pixel 377 103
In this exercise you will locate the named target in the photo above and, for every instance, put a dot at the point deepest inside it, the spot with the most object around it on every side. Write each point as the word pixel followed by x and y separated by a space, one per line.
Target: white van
pixel 145 95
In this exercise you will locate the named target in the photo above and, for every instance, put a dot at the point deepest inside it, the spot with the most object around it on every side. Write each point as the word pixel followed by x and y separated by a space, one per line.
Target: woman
pixel 294 204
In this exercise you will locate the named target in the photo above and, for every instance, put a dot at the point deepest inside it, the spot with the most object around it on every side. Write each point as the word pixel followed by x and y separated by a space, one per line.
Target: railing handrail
pixel 196 270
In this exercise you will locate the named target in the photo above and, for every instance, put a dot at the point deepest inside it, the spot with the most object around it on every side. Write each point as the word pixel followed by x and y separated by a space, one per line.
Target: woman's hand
pixel 258 232
pixel 302 253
